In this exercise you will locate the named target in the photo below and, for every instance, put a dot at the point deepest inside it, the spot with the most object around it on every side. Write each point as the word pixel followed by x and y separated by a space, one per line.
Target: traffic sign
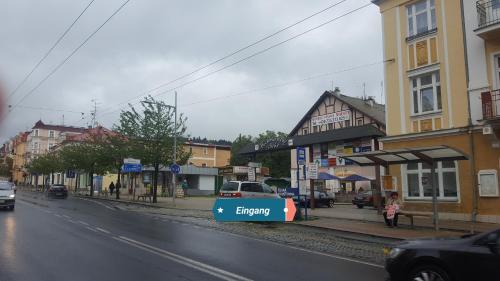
pixel 301 155
pixel 252 209
pixel 131 161
pixel 132 168
pixel 176 169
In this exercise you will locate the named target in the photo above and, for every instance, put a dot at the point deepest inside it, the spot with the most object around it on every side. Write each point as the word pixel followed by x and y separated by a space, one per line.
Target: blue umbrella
pixel 327 176
pixel 355 177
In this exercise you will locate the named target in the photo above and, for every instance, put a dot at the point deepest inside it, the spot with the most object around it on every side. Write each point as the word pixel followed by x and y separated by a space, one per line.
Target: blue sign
pixel 253 209
pixel 301 155
pixel 132 168
pixel 176 169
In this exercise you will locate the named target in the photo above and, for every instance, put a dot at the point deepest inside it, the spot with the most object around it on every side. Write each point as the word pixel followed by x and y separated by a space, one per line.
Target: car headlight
pixel 393 253
pixel 12 196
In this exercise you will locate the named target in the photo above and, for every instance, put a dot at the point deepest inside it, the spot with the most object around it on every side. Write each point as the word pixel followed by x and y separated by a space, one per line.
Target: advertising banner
pixel 338 116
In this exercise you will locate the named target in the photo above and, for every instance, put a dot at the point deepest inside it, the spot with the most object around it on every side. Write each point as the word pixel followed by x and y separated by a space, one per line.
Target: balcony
pixel 488 16
pixel 490 102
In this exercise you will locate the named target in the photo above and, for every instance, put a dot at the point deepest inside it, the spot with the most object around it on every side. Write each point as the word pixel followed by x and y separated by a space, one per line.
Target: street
pixel 77 239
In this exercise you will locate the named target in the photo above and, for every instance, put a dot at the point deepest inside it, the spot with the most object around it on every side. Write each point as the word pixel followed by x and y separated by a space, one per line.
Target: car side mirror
pixel 493 242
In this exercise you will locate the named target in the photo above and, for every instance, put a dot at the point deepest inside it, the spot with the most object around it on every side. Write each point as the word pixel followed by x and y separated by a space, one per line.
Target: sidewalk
pixel 346 218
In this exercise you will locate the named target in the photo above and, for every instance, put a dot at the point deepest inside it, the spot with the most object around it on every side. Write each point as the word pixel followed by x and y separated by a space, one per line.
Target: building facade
pixel 19 172
pixel 439 77
pixel 207 154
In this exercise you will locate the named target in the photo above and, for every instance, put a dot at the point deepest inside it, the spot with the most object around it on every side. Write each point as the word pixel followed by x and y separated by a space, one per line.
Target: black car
pixel 466 258
pixel 57 191
pixel 320 199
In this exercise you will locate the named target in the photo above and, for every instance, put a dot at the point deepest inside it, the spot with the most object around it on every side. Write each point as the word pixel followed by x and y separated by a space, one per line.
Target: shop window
pixel 421 17
pixel 418 180
pixel 488 183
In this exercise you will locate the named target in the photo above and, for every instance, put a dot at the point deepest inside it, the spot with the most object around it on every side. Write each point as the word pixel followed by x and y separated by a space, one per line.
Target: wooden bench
pixel 411 215
pixel 144 196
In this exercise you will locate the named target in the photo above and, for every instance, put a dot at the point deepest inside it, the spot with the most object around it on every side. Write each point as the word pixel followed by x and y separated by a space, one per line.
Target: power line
pixel 70 55
pixel 47 109
pixel 257 53
pixel 236 51
pixel 50 50
pixel 283 84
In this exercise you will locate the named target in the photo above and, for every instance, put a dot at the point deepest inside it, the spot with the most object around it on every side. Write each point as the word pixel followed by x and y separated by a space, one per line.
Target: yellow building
pixel 441 71
pixel 19 158
pixel 208 155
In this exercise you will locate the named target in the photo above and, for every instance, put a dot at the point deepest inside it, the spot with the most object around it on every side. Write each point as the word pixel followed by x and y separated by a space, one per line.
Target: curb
pixel 350 232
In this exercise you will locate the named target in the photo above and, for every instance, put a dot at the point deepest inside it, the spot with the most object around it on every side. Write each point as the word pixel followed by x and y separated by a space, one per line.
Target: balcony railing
pixel 488 12
pixel 490 102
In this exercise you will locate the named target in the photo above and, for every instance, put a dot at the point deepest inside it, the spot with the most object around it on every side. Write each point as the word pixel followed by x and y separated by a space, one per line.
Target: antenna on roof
pixel 382 92
pixel 364 90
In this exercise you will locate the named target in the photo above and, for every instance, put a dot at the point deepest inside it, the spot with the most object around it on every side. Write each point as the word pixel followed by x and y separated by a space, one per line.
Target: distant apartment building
pixel 442 81
pixel 208 154
pixel 19 144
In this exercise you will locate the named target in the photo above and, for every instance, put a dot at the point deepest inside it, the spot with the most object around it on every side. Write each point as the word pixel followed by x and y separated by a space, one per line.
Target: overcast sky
pixel 151 42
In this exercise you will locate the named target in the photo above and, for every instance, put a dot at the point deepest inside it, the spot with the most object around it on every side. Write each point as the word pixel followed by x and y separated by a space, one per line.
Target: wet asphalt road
pixel 77 239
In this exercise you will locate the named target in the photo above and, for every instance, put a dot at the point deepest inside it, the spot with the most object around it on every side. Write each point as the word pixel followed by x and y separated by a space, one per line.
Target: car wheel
pixel 330 203
pixel 360 206
pixel 429 273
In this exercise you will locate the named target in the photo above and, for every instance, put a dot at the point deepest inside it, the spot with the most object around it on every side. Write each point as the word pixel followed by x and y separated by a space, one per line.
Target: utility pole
pixel 94 113
pixel 175 148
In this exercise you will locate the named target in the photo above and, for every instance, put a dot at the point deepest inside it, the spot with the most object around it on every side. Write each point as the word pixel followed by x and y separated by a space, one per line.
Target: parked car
pixel 364 198
pixel 247 189
pixel 470 257
pixel 7 195
pixel 57 191
pixel 320 199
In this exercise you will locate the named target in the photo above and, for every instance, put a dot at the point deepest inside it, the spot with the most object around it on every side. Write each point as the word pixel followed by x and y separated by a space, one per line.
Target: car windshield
pixel 5 186
pixel 230 186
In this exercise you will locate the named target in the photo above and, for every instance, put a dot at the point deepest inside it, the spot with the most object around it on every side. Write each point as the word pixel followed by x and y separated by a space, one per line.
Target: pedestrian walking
pixel 118 186
pixel 111 188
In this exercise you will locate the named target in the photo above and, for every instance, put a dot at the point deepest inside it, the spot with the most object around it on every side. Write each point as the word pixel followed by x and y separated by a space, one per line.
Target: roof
pixel 376 112
pixel 406 155
pixel 61 128
pixel 349 133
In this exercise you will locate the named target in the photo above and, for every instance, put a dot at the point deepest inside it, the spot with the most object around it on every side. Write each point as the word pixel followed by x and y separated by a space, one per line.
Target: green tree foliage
pixel 240 142
pixel 6 167
pixel 150 132
pixel 278 162
pixel 47 165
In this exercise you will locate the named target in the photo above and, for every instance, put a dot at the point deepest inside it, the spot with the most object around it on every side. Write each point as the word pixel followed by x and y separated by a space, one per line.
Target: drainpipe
pixel 472 156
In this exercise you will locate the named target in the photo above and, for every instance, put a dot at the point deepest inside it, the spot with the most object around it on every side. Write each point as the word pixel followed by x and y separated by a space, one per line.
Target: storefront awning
pixel 406 155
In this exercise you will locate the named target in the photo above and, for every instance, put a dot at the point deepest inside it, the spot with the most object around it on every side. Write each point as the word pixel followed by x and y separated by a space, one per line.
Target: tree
pixel 151 135
pixel 116 147
pixel 87 156
pixel 47 165
pixel 6 167
pixel 240 142
pixel 277 161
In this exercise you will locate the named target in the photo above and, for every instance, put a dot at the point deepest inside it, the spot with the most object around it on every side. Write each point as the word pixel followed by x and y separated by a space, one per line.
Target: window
pixel 330 126
pixel 315 129
pixel 36 132
pixel 50 145
pixel 204 164
pixel 230 186
pixel 488 183
pixel 421 17
pixel 359 122
pixel 418 181
pixel 304 132
pixel 51 134
pixel 426 92
pixel 205 151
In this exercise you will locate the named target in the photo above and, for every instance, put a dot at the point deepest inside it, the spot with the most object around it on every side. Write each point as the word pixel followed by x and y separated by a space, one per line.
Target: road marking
pixel 98 203
pixel 102 230
pixel 73 221
pixel 91 229
pixel 68 217
pixel 306 250
pixel 214 271
pixel 57 215
pixel 84 223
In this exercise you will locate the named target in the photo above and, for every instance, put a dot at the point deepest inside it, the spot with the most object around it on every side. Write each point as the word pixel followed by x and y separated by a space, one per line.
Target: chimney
pixel 370 101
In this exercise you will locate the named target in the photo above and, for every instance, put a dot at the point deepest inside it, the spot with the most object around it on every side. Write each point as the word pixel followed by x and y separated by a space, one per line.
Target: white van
pixel 246 189
pixel 7 195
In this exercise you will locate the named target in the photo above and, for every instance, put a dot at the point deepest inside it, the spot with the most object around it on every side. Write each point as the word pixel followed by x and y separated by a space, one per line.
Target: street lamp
pixel 175 143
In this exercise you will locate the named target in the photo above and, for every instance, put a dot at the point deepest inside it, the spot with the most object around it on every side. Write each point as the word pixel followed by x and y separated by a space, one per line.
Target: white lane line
pixel 72 221
pixel 57 215
pixel 68 217
pixel 91 229
pixel 84 223
pixel 102 230
pixel 214 271
pixel 98 203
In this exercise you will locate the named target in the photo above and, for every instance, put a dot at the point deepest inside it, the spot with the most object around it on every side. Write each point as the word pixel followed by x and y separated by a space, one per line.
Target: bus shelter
pixel 428 155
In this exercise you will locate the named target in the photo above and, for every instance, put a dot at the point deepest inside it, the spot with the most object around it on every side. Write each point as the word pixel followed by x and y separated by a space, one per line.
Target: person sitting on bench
pixel 392 209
